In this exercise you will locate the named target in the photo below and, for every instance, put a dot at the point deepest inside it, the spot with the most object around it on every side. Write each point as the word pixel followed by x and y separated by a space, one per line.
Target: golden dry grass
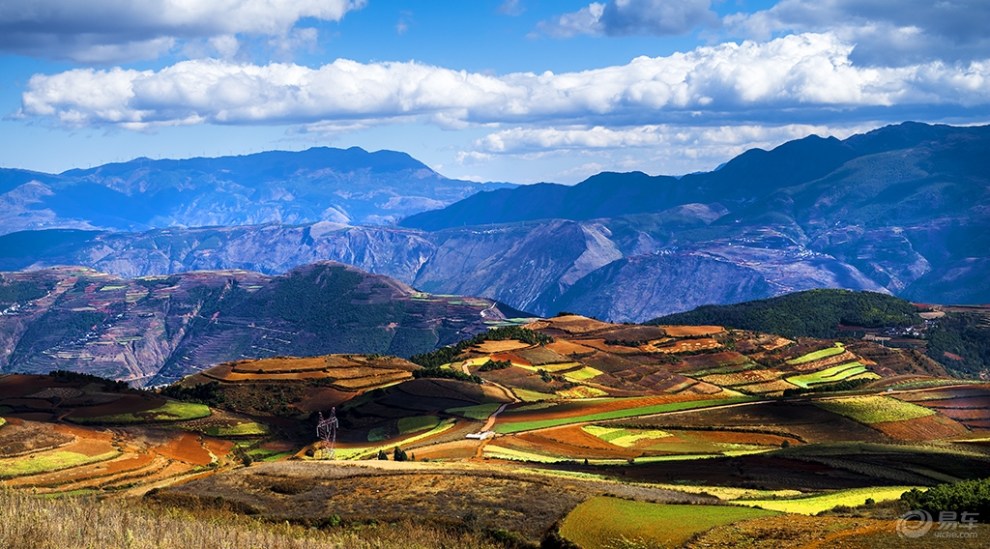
pixel 30 522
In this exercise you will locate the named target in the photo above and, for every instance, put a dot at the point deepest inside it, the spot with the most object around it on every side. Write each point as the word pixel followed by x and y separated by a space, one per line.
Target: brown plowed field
pixel 711 360
pixel 568 348
pixel 457 449
pixel 19 437
pixel 280 364
pixel 688 345
pixel 572 324
pixel 322 398
pixel 692 331
pixel 766 387
pixel 744 378
pixel 544 445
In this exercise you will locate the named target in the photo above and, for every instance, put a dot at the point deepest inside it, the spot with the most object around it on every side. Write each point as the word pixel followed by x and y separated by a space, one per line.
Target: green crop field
pixel 530 396
pixel 811 505
pixel 583 374
pixel 49 461
pixel 516 427
pixel 511 454
pixel 624 437
pixel 829 375
pixel 478 412
pixel 170 411
pixel 367 451
pixel 818 355
pixel 417 423
pixel 247 428
pixel 874 409
pixel 641 524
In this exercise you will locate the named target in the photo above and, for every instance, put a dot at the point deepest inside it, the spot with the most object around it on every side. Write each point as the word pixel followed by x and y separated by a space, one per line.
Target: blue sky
pixel 518 91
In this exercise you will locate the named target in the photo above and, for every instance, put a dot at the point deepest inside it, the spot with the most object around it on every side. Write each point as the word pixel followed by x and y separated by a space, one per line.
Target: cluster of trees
pixel 812 313
pixel 108 384
pixel 204 393
pixel 398 454
pixel 19 291
pixel 965 335
pixel 968 496
pixel 495 365
pixel 445 374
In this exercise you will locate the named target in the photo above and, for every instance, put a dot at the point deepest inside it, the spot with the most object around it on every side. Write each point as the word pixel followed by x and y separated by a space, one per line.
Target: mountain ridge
pixel 318 184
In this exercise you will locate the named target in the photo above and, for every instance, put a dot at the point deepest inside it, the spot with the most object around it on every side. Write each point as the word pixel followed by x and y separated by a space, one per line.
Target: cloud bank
pixel 106 31
pixel 803 76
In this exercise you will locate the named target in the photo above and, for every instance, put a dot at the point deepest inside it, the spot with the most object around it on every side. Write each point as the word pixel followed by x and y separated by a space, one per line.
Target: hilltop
pixel 154 330
pixel 957 337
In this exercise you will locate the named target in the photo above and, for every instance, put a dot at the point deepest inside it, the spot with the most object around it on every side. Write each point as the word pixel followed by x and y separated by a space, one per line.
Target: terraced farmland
pixel 834 374
pixel 874 409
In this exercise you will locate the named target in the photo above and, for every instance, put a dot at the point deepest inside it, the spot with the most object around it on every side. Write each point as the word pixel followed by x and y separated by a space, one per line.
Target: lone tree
pixel 382 456
pixel 398 454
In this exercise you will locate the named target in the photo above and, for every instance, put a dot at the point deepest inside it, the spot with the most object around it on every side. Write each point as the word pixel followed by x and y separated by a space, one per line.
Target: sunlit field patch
pixel 643 524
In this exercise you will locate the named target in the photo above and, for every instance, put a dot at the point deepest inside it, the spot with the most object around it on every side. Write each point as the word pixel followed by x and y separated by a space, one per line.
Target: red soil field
pixel 218 447
pixel 186 448
pixel 923 428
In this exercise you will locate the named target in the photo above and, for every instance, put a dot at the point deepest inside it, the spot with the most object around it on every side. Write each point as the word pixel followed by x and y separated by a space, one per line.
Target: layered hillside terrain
pixel 154 330
pixel 903 209
pixel 522 434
